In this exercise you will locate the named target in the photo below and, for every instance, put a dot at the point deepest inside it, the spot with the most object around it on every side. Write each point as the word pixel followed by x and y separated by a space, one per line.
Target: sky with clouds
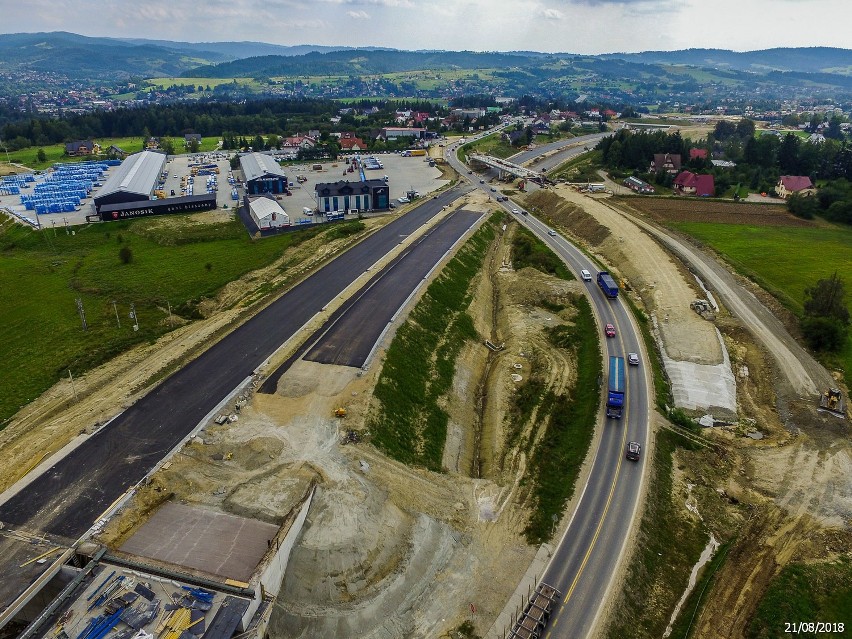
pixel 572 26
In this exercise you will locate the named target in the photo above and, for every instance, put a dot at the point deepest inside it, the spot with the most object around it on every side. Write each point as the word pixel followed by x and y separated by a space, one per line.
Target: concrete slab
pixel 705 387
pixel 216 543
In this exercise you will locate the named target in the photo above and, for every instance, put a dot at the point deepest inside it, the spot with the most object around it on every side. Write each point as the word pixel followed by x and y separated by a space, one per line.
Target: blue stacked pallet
pixel 65 187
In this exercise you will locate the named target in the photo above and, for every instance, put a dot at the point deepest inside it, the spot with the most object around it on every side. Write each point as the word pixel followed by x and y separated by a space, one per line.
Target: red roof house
pixel 351 142
pixel 688 183
pixel 790 184
pixel 697 153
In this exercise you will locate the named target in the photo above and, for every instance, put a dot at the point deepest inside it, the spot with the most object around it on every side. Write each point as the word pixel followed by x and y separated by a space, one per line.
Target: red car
pixel 609 329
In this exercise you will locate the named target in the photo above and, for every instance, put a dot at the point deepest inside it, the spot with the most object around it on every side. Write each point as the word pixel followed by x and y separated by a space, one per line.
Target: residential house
pixel 688 183
pixel 82 147
pixel 189 138
pixel 513 137
pixel 116 152
pixel 668 162
pixel 798 184
pixel 696 154
pixel 298 141
pixel 351 142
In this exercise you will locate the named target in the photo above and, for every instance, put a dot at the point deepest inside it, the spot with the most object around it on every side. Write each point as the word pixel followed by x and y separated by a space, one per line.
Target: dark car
pixel 633 451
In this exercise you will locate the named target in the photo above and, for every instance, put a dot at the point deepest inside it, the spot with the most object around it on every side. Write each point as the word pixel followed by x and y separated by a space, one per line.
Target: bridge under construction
pixel 504 168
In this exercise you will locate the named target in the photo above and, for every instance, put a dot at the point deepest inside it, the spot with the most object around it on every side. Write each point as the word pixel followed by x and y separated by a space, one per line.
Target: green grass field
pixel 56 152
pixel 42 274
pixel 556 461
pixel 785 260
pixel 806 593
pixel 411 425
pixel 164 83
pixel 489 145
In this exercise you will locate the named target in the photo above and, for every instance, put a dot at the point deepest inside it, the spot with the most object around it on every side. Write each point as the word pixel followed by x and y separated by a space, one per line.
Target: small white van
pixel 587 277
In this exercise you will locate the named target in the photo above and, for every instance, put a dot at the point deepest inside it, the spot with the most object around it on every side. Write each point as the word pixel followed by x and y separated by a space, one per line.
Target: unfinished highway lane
pixel 67 499
pixel 351 334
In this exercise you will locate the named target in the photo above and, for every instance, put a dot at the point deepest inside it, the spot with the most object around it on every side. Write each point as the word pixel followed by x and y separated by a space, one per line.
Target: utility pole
pixel 77 399
pixel 82 313
pixel 115 308
pixel 133 316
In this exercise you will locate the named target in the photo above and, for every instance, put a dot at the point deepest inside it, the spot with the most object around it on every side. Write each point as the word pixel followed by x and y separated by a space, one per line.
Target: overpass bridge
pixel 505 167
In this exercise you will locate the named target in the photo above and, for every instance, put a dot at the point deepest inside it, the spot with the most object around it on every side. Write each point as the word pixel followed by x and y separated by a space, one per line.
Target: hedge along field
pixel 42 274
pixel 410 426
pixel 784 260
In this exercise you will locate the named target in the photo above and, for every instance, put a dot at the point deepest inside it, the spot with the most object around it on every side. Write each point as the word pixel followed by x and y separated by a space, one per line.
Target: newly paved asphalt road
pixel 349 337
pixel 590 550
pixel 66 500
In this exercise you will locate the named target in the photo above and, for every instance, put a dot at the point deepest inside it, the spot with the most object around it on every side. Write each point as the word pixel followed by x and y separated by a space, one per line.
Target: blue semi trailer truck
pixel 615 390
pixel 607 284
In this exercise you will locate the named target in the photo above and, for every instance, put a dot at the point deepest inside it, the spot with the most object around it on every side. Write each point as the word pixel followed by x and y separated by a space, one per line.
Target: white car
pixel 587 277
pixel 551 232
pixel 516 211
pixel 633 359
pixel 403 200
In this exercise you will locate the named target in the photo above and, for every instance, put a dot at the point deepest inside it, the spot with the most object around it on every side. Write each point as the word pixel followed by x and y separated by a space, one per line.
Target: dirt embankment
pixel 664 285
pixel 389 550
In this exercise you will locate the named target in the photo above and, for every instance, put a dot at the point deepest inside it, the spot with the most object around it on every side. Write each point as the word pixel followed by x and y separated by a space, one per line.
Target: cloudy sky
pixel 574 26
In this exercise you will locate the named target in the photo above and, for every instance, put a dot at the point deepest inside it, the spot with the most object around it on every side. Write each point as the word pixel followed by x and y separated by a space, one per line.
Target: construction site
pixel 277 517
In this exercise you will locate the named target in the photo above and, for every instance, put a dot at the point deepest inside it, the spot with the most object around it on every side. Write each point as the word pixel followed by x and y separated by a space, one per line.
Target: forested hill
pixel 361 61
pixel 807 59
pixel 82 57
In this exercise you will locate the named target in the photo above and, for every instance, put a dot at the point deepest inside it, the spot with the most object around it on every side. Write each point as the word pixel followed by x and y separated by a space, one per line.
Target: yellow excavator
pixel 340 412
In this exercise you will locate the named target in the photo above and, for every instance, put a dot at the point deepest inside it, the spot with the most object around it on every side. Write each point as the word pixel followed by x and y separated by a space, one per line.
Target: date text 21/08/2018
pixel 826 627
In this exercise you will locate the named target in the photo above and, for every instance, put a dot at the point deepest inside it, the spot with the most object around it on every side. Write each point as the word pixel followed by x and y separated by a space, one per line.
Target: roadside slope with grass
pixel 175 269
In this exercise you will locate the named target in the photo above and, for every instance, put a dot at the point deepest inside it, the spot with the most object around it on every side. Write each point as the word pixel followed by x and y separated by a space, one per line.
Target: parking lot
pixel 404 174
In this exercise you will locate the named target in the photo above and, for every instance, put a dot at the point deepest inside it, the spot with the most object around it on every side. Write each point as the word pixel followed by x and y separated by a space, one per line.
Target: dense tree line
pixel 277 116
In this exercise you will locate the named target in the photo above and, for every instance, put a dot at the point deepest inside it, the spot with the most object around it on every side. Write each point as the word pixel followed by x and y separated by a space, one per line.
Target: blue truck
pixel 607 284
pixel 615 389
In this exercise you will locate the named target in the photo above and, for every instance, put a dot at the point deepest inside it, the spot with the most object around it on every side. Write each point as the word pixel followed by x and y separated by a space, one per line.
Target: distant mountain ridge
pixel 83 57
pixel 806 59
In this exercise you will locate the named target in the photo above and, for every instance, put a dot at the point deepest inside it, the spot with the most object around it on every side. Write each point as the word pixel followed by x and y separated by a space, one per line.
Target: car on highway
pixel 516 211
pixel 493 190
pixel 482 181
pixel 609 329
pixel 587 277
pixel 633 451
pixel 633 359
pixel 551 232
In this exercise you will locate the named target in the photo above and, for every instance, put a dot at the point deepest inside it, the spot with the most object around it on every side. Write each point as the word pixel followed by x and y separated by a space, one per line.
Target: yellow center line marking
pixel 603 516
